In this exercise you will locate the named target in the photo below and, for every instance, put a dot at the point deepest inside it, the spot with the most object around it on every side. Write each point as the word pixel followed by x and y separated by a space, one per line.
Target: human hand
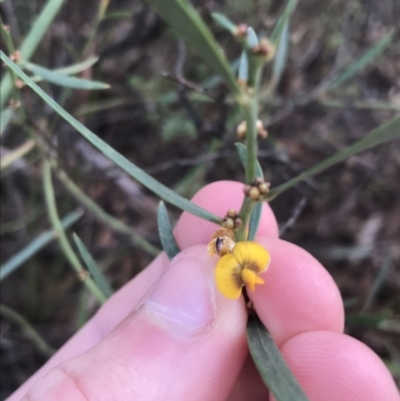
pixel 170 335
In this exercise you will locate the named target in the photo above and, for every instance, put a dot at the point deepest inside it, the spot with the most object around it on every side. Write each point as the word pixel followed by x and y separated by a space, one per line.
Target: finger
pixel 217 198
pixel 299 295
pixel 185 342
pixel 335 367
pixel 106 319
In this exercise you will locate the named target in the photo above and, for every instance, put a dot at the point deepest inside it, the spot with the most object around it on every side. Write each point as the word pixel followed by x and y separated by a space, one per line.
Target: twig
pixel 27 328
pixel 295 215
pixel 64 243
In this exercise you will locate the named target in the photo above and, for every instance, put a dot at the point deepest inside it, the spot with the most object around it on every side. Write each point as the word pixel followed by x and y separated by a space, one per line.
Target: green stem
pixel 101 214
pixel 64 243
pixel 244 213
pixel 250 111
pixel 99 17
pixel 27 328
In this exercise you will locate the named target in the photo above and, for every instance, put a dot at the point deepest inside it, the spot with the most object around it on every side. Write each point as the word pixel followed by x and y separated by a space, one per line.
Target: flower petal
pixel 228 278
pixel 250 278
pixel 252 256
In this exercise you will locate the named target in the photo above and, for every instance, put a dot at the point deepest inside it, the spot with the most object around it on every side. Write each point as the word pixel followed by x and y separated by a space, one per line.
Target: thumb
pixel 185 341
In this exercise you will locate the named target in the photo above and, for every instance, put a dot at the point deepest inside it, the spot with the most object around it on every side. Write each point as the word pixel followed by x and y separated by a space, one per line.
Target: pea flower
pixel 241 267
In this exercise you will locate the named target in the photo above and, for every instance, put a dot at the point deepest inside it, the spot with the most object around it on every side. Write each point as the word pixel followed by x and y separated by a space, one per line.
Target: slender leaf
pixel 254 221
pixel 384 133
pixel 252 39
pixel 270 363
pixel 161 190
pixel 366 58
pixel 30 43
pixel 188 24
pixel 36 245
pixel 377 285
pixel 224 22
pixel 241 148
pixel 276 34
pixel 169 244
pixel 16 154
pixel 5 118
pixel 243 73
pixel 94 270
pixel 280 59
pixel 39 342
pixel 71 69
pixel 64 80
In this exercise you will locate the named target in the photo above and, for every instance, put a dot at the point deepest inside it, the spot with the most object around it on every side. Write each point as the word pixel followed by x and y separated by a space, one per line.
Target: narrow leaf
pixel 36 245
pixel 30 43
pixel 366 58
pixel 270 363
pixel 254 221
pixel 384 133
pixel 224 22
pixel 5 118
pixel 276 33
pixel 242 151
pixel 168 242
pixel 188 24
pixel 149 182
pixel 243 73
pixel 64 80
pixel 94 270
pixel 252 39
pixel 377 285
pixel 16 154
pixel 280 59
pixel 72 69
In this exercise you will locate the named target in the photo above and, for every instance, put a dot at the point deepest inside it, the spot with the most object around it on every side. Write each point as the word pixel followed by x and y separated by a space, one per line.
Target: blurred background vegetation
pixel 169 114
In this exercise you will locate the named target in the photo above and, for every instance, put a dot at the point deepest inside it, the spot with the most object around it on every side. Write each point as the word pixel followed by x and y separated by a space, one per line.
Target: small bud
pixel 265 49
pixel 241 31
pixel 228 223
pixel 264 187
pixel 241 130
pixel 261 131
pixel 257 181
pixel 238 222
pixel 16 56
pixel 254 193
pixel 19 84
pixel 231 213
pixel 247 189
pixel 6 28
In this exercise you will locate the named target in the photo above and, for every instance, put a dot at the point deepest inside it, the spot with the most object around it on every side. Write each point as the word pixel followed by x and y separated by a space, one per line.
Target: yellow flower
pixel 241 267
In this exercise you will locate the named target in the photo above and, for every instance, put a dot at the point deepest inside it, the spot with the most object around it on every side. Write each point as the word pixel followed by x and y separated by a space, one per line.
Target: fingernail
pixel 183 296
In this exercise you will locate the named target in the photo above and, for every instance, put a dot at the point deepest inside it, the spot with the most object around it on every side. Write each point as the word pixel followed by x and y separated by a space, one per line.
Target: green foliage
pixel 165 231
pixel 270 363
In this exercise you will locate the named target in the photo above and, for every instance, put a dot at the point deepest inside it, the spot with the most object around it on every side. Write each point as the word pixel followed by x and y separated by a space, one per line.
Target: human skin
pixel 168 334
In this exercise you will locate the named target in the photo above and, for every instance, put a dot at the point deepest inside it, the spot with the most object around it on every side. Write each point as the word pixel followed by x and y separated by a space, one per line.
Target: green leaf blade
pixel 276 34
pixel 270 363
pixel 224 22
pixel 242 151
pixel 31 42
pixel 366 58
pixel 166 233
pixel 94 270
pixel 64 80
pixel 145 179
pixel 382 134
pixel 188 25
pixel 36 245
pixel 254 221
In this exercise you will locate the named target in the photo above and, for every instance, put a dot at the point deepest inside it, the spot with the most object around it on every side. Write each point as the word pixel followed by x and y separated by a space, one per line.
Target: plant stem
pixel 64 243
pixel 250 111
pixel 245 212
pixel 27 328
pixel 101 214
